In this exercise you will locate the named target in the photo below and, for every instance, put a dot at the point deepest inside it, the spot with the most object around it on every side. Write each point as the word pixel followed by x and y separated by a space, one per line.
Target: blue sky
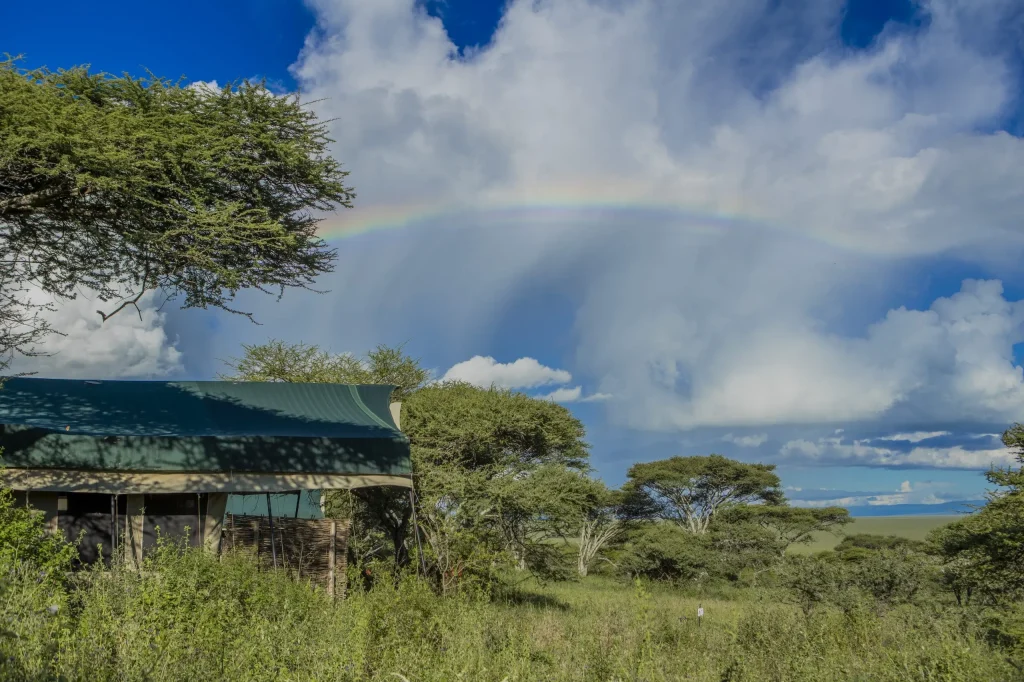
pixel 828 175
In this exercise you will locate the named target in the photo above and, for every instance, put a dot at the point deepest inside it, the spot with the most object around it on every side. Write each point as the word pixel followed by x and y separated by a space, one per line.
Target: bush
pixel 24 540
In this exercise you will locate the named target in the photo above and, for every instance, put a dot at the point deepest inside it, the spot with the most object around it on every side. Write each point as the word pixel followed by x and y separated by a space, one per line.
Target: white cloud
pixel 564 395
pixel 522 373
pixel 204 86
pixel 915 437
pixel 131 344
pixel 794 189
pixel 858 453
pixel 574 394
pixel 748 441
pixel 924 492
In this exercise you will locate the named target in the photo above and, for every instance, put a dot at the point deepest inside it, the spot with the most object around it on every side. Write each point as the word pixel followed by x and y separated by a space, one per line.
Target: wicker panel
pixel 303 546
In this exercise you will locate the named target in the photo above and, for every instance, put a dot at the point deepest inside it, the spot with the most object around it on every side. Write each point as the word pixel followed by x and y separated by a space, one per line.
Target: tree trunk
pixel 592 539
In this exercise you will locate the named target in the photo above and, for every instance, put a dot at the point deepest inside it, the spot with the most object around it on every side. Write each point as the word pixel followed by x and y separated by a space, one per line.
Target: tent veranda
pixel 172 452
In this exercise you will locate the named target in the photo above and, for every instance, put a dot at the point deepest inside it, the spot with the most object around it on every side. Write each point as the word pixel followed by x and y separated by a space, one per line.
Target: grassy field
pixel 195 618
pixel 912 527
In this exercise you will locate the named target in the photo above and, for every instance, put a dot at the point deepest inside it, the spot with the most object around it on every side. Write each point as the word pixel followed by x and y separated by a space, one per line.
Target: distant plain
pixel 912 527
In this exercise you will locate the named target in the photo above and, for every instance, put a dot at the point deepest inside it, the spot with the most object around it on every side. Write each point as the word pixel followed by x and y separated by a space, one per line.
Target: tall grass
pixel 190 616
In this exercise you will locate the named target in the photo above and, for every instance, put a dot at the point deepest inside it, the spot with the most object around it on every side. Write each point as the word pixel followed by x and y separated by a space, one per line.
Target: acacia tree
pixel 689 491
pixel 498 474
pixel 983 553
pixel 121 186
pixel 600 527
pixel 304 363
pixel 791 525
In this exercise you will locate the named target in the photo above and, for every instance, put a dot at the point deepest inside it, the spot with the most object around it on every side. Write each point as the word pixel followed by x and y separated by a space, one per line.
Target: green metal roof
pixel 200 426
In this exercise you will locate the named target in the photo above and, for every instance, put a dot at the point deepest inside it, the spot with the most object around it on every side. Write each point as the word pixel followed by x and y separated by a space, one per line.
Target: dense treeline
pixel 528 567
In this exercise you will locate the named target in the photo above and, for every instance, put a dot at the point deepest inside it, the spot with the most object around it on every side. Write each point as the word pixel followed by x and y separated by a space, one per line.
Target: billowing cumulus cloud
pixel 522 373
pixel 131 344
pixel 795 187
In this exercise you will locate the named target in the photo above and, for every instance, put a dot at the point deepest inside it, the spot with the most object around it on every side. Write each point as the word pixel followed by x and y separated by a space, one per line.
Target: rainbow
pixel 577 201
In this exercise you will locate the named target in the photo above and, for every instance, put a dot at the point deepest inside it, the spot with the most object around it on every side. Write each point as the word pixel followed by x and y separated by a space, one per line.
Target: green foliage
pixel 894 576
pixel 302 363
pixel 117 183
pixel 499 475
pixel 871 542
pixel 491 428
pixel 983 553
pixel 884 578
pixel 790 525
pixel 192 616
pixel 816 581
pixel 666 551
pixel 33 570
pixel 24 540
pixel 689 491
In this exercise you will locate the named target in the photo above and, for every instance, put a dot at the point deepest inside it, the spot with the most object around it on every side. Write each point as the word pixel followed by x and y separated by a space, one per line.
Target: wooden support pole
pixel 113 528
pixel 270 517
pixel 416 530
pixel 256 538
pixel 331 559
pixel 135 525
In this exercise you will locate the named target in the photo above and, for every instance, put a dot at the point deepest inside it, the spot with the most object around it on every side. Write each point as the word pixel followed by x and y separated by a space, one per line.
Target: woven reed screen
pixel 304 546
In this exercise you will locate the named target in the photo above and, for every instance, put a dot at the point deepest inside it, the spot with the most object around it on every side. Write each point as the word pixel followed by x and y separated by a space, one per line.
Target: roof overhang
pixel 123 483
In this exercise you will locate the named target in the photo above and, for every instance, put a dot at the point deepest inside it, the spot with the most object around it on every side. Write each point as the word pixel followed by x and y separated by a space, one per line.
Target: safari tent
pixel 116 460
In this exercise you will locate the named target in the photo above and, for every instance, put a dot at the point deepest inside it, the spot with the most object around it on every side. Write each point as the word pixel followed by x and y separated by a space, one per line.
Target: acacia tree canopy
pixel 122 185
pixel 304 363
pixel 498 470
pixel 791 525
pixel 984 552
pixel 689 491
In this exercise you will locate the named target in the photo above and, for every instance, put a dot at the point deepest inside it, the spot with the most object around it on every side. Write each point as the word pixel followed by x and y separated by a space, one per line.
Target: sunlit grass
pixel 192 617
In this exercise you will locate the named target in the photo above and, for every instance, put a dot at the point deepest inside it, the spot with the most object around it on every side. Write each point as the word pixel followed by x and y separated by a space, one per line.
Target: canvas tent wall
pixel 65 439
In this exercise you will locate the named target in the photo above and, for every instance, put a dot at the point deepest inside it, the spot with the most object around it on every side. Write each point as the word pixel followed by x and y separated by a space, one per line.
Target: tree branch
pixel 134 301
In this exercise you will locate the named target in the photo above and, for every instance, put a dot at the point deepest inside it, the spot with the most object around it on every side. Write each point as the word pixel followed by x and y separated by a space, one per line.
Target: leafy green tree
pixel 816 581
pixel 599 528
pixel 860 546
pixel 689 491
pixel 893 575
pixel 498 475
pixel 667 551
pixel 123 185
pixel 744 548
pixel 983 553
pixel 790 525
pixel 304 363
pixel 24 540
